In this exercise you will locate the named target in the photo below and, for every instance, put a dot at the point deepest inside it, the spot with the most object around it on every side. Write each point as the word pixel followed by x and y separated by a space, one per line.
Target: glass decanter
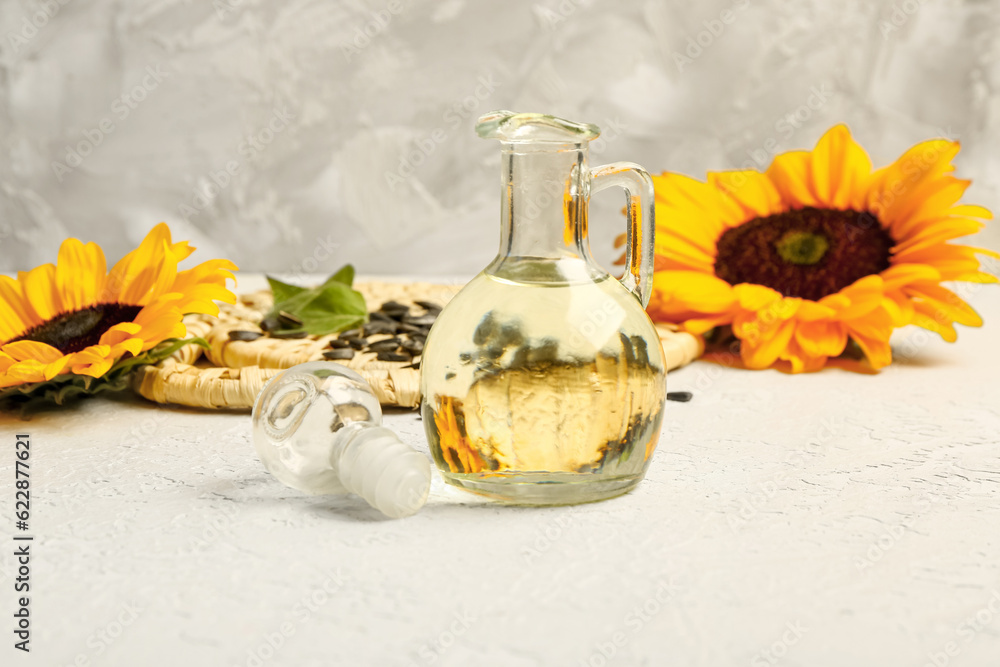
pixel 543 380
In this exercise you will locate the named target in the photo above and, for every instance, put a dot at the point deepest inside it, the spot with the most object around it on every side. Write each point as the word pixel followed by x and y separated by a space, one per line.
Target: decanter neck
pixel 545 188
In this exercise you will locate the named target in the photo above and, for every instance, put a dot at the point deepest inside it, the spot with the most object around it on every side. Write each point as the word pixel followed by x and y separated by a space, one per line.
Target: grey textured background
pixel 116 115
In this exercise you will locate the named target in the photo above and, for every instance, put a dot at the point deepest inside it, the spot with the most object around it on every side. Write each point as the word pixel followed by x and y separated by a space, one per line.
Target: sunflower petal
pixel 683 295
pixel 865 294
pixel 790 174
pixel 16 313
pixel 946 304
pixel 762 351
pixel 26 371
pixel 131 345
pixel 40 290
pixel 80 273
pixel 945 229
pixel 132 274
pixel 685 194
pixel 929 321
pixel 876 350
pixel 821 339
pixel 894 187
pixel 57 367
pixel 839 169
pixel 23 350
pixel 752 190
pixel 899 275
pixel 800 359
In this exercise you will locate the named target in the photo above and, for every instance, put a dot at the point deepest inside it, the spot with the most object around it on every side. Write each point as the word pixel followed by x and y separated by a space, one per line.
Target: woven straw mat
pixel 231 373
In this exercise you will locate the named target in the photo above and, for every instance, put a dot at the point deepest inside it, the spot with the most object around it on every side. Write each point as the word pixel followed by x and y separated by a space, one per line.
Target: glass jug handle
pixel 639 213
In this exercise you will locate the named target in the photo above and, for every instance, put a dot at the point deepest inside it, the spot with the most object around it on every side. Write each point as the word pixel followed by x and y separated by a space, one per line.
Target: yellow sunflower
pixel 817 251
pixel 76 318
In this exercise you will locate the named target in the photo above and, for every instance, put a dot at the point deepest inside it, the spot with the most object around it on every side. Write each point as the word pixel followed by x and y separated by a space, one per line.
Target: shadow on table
pixel 265 491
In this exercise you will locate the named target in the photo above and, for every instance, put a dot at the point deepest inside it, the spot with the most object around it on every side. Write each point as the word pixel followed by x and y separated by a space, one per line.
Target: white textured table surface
pixel 829 519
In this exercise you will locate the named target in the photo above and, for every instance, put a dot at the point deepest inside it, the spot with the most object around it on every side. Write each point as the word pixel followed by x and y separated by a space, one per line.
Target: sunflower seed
pixel 392 356
pixel 270 324
pixel 395 310
pixel 382 317
pixel 394 305
pixel 429 305
pixel 350 333
pixel 420 320
pixel 357 343
pixel 387 345
pixel 338 354
pixel 289 320
pixel 414 347
pixel 339 343
pixel 289 334
pixel 679 396
pixel 380 327
pixel 403 327
pixel 240 334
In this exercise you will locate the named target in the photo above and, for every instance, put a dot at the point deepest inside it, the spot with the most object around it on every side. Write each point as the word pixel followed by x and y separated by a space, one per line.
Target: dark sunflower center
pixel 807 252
pixel 72 332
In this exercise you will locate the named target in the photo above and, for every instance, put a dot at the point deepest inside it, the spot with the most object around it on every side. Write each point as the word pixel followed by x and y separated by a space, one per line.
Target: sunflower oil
pixel 543 384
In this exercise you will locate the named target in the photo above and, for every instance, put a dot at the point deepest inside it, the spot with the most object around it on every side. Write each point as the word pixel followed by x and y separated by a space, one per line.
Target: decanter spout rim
pixel 513 127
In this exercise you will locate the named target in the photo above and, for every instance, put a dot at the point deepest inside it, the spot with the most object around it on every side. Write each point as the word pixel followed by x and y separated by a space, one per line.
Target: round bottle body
pixel 543 384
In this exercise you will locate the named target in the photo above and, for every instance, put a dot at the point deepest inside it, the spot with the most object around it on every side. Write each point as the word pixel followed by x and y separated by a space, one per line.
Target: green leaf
pixel 344 275
pixel 283 291
pixel 331 307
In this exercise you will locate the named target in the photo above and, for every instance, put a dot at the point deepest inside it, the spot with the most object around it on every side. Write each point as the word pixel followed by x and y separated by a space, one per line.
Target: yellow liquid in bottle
pixel 543 390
